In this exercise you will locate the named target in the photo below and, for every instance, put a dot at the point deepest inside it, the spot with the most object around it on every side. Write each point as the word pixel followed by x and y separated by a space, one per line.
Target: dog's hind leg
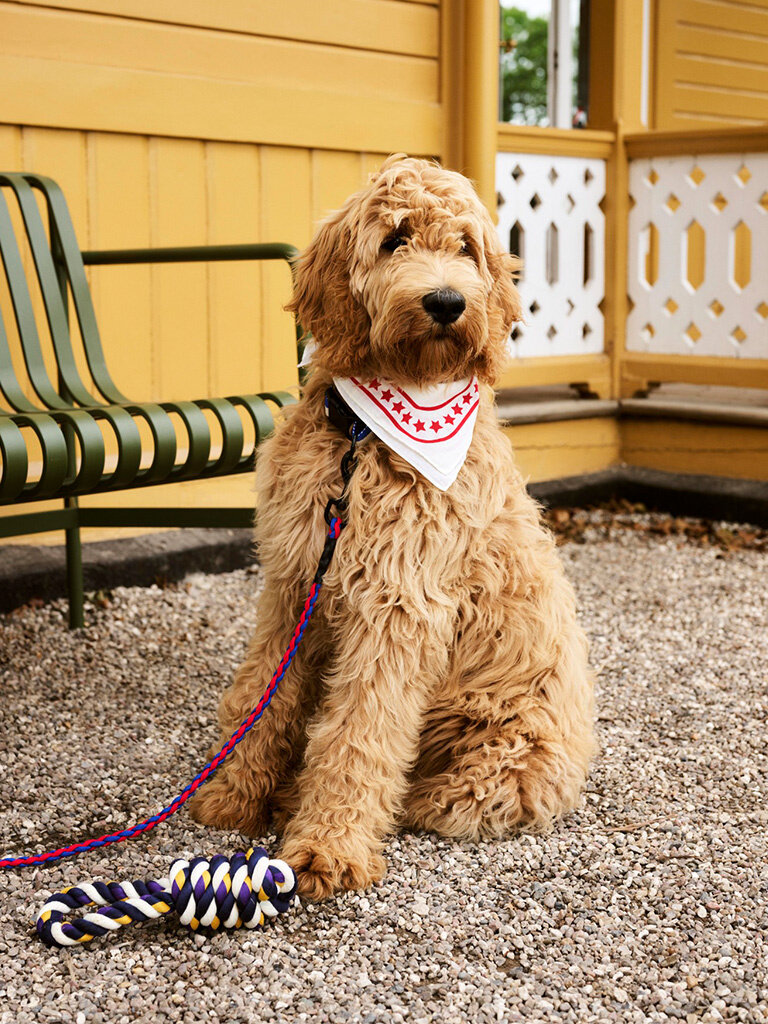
pixel 477 780
pixel 238 795
pixel 509 740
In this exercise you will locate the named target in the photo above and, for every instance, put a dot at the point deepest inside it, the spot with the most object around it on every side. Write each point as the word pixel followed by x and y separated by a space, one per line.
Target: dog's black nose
pixel 445 305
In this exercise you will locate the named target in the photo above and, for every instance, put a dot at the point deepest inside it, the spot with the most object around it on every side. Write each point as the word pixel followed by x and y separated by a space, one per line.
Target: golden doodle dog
pixel 443 682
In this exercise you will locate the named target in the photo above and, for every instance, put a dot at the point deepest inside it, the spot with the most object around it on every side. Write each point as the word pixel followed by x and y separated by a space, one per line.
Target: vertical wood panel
pixel 372 162
pixel 235 300
pixel 286 217
pixel 60 155
pixel 335 176
pixel 10 147
pixel 180 293
pixel 10 160
pixel 120 219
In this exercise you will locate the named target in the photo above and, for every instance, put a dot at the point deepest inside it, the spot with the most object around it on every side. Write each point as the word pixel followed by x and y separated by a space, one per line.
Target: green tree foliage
pixel 524 68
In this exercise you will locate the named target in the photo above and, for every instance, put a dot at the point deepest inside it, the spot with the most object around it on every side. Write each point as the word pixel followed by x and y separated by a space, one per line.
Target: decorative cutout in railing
pixel 698 253
pixel 550 215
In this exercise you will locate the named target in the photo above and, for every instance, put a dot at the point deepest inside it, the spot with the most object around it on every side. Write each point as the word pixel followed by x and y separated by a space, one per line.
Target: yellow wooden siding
pixel 191 330
pixel 683 447
pixel 351 74
pixel 711 63
pixel 547 451
pixel 188 331
pixel 194 122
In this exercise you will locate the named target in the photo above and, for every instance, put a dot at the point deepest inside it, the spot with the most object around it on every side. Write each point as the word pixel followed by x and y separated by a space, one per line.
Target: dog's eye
pixel 394 242
pixel 466 250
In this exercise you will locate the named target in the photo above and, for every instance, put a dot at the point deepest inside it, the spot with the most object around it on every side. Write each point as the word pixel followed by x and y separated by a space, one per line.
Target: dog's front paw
pixel 220 805
pixel 323 869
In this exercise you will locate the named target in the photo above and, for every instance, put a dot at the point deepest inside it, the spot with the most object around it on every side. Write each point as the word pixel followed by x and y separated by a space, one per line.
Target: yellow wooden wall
pixel 195 121
pixel 190 122
pixel 711 63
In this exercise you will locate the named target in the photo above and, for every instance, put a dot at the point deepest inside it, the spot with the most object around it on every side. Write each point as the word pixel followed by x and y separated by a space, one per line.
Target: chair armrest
pixel 202 254
pixel 193 254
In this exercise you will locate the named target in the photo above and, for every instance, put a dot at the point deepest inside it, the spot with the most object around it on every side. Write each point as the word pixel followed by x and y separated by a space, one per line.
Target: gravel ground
pixel 647 904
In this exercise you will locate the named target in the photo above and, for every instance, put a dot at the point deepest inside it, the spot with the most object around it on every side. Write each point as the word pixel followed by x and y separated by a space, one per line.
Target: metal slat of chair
pixel 69 269
pixel 232 436
pixel 260 414
pixel 126 432
pixel 50 290
pixel 23 312
pixel 55 457
pixel 281 398
pixel 60 475
pixel 199 439
pixel 69 253
pixel 90 473
pixel 15 461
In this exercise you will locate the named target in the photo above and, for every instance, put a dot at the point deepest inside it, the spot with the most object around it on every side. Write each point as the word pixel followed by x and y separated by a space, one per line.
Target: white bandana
pixel 431 428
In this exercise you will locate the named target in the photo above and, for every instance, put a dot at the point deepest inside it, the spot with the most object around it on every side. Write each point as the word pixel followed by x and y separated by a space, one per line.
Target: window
pixel 544 62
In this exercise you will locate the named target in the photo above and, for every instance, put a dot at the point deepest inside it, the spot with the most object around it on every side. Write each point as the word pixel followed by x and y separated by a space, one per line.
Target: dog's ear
pixel 322 299
pixel 504 306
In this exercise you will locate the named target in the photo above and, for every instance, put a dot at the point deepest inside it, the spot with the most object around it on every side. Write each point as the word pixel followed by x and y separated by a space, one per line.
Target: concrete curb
pixel 38 572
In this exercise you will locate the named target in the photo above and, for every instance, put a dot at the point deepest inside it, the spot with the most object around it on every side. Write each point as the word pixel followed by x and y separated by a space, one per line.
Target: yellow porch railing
pixel 657 278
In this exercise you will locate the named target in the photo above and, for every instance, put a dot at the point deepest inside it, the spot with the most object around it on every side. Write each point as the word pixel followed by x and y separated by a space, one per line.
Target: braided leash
pixel 243 890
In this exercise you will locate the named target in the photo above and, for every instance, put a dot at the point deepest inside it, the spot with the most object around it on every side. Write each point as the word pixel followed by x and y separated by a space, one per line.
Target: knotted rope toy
pixel 241 891
pixel 224 893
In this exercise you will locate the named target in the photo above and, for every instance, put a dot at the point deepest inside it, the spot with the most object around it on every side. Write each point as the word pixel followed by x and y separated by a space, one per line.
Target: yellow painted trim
pixel 653 63
pixel 629 63
pixel 452 18
pixel 664 50
pixel 615 306
pixel 554 141
pixel 595 371
pixel 384 25
pixel 615 75
pixel 684 447
pixel 642 367
pixel 547 451
pixel 601 41
pixel 703 53
pixel 719 15
pixel 63 95
pixel 692 143
pixel 481 90
pixel 701 71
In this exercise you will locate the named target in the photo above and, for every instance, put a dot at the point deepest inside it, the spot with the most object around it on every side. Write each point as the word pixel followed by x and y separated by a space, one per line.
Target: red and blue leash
pixel 245 727
pixel 221 893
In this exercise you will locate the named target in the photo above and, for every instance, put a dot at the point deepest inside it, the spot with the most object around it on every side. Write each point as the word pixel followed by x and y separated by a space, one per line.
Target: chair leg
pixel 74 572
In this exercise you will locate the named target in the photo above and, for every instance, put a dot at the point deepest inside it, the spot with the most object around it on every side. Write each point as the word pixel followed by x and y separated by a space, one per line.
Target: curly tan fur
pixel 443 683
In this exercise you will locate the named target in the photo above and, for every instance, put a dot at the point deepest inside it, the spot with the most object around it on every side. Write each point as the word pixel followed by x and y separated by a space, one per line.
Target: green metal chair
pixel 65 415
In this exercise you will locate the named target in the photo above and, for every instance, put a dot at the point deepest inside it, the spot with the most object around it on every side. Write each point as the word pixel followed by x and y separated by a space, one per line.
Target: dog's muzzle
pixel 444 305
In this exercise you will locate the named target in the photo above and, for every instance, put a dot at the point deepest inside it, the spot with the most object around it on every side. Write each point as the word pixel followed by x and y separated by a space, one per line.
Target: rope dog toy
pixel 240 892
pixel 225 893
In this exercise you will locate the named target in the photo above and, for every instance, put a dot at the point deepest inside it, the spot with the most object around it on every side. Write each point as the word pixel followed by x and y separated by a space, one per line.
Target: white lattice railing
pixel 550 215
pixel 698 256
